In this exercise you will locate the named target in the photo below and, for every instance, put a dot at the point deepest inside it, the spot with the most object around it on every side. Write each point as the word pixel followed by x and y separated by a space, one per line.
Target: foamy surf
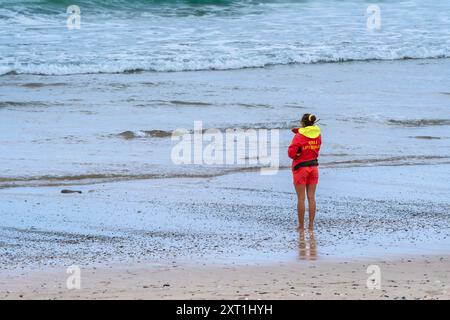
pixel 175 36
pixel 218 64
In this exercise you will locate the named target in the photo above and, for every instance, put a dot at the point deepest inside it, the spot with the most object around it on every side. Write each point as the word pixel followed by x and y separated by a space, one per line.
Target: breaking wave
pixel 191 35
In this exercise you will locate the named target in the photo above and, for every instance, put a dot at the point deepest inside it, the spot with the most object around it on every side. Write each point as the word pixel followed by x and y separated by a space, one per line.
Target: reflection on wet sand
pixel 307 247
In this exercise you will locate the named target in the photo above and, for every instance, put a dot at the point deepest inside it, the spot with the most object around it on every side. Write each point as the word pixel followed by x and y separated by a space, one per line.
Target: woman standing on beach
pixel 304 151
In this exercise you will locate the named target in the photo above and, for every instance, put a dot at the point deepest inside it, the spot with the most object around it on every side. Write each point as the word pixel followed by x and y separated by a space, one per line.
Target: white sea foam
pixel 207 64
pixel 239 35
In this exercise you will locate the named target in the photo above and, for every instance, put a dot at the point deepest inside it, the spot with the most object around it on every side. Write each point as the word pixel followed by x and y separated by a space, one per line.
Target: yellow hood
pixel 310 131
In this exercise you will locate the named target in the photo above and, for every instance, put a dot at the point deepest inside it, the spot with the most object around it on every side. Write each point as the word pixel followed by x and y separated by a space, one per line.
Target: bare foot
pixel 301 228
pixel 311 228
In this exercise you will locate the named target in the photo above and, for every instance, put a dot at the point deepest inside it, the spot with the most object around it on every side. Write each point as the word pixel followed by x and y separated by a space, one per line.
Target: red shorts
pixel 306 175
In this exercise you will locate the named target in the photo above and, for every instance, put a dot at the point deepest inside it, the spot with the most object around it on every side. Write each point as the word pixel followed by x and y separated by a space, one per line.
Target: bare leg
pixel 300 189
pixel 311 193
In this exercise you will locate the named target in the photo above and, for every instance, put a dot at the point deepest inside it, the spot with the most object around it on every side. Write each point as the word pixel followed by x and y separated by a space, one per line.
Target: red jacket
pixel 307 142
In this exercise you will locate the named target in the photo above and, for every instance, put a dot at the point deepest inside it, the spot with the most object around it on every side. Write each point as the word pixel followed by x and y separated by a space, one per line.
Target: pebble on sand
pixel 66 191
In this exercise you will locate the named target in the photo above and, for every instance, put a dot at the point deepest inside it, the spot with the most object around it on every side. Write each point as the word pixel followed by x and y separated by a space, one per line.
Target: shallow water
pixel 363 213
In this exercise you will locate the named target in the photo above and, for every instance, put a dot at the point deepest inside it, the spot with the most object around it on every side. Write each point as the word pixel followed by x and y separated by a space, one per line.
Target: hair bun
pixel 308 119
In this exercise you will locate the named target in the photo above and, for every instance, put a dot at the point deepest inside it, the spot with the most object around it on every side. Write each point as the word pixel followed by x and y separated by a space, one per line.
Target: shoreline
pixel 95 179
pixel 225 219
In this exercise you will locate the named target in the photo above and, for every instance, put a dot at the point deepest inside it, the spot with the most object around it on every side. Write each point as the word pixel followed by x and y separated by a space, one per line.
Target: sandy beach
pixel 94 110
pixel 410 278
